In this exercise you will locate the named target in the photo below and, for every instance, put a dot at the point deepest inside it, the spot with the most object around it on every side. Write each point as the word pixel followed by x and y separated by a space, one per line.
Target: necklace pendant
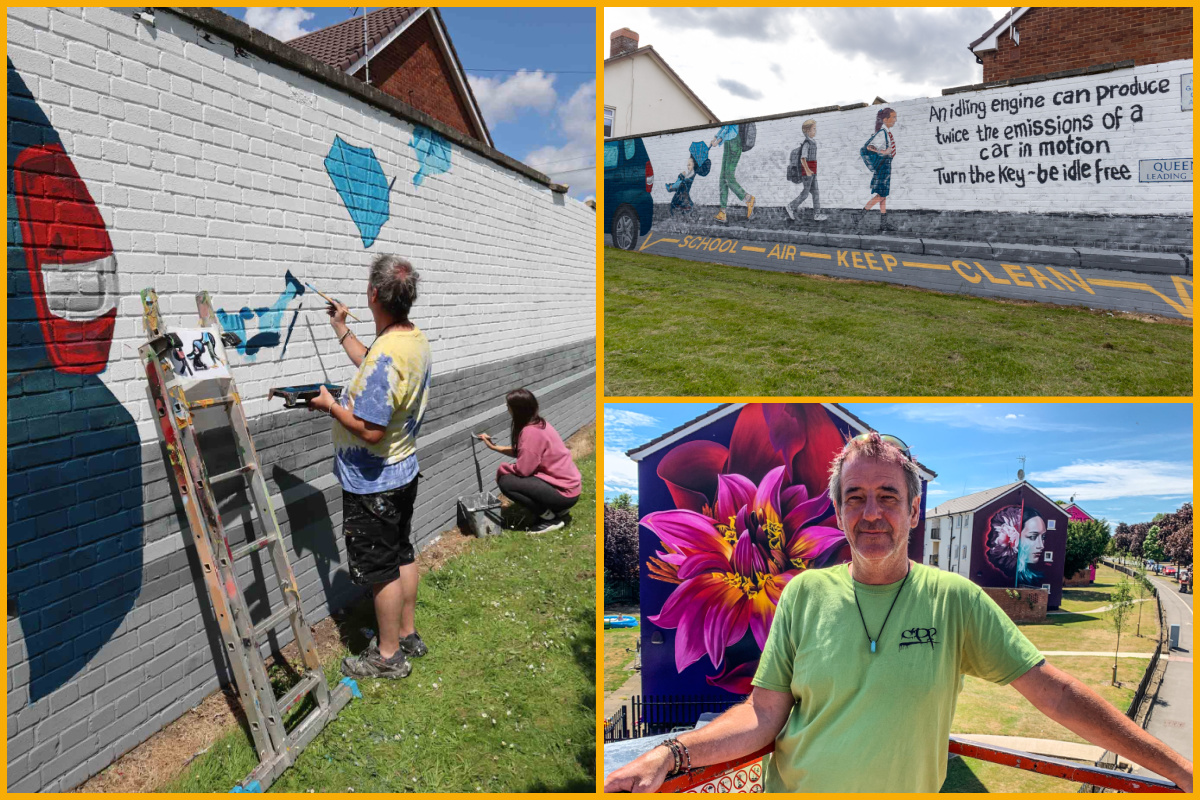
pixel 872 645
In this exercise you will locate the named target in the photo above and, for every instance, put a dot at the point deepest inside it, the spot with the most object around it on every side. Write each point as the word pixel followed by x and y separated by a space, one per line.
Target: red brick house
pixel 1038 41
pixel 406 53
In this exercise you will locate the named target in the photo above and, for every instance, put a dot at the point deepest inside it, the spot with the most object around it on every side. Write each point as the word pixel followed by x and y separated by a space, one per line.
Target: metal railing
pixel 725 777
pixel 616 727
pixel 653 714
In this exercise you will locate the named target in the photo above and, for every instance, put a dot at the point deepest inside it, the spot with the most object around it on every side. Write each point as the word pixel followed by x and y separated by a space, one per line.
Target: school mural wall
pixel 731 513
pixel 1020 541
pixel 1100 160
pixel 183 158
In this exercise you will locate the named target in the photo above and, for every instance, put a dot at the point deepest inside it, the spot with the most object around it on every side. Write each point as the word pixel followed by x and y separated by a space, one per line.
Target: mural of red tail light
pixel 72 267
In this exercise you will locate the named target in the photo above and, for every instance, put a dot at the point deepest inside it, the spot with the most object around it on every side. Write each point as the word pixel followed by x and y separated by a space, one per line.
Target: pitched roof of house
pixel 657 443
pixel 970 502
pixel 988 39
pixel 649 50
pixel 341 44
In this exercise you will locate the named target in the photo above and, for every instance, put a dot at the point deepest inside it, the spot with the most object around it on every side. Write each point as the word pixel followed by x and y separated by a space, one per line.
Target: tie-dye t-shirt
pixel 391 388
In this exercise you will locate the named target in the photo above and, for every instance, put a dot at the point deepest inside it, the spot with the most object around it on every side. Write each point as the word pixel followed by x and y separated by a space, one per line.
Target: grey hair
pixel 878 450
pixel 395 283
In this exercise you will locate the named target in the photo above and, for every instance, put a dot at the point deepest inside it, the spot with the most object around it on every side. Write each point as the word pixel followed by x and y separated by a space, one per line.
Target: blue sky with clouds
pixel 1122 461
pixel 533 71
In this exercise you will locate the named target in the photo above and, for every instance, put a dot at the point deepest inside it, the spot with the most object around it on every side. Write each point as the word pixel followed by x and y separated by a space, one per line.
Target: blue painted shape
pixel 252 786
pixel 360 182
pixel 270 319
pixel 353 684
pixel 433 153
pixel 75 497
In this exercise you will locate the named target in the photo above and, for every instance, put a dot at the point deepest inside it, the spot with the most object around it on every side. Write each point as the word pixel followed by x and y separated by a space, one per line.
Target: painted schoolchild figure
pixel 697 164
pixel 808 174
pixel 728 138
pixel 882 145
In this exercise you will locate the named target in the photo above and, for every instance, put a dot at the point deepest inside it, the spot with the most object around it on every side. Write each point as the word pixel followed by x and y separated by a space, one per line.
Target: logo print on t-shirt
pixel 919 636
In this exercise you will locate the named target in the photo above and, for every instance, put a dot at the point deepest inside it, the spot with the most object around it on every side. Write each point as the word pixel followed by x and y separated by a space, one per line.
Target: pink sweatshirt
pixel 542 454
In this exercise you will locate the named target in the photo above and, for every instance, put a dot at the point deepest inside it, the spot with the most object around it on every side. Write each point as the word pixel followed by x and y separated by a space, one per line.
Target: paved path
pixel 872 259
pixel 620 696
pixel 1171 716
pixel 1099 610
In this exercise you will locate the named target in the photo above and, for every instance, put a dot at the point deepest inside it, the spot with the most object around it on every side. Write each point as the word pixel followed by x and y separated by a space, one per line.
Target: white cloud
pixel 1106 480
pixel 282 23
pixel 621 427
pixel 504 99
pixel 573 163
pixel 986 416
pixel 620 472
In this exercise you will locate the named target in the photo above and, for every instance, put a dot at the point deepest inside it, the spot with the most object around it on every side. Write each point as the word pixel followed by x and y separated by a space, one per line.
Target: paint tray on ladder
pixel 479 514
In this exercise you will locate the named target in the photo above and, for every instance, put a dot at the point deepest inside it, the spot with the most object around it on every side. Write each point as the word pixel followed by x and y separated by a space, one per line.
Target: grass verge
pixel 676 327
pixel 505 700
pixel 619 647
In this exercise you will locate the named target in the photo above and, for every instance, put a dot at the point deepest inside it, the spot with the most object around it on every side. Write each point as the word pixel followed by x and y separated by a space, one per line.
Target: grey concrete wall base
pixel 1163 263
pixel 1036 254
pixel 946 249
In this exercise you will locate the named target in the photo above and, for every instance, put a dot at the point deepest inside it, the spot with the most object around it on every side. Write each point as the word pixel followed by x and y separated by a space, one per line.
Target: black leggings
pixel 534 494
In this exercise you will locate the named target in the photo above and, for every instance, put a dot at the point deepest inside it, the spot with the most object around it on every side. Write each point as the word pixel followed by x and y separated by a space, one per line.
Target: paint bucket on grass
pixel 479 514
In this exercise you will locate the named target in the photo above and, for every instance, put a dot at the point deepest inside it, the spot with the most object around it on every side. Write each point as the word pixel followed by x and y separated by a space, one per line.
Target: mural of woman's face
pixel 1033 540
pixel 891 120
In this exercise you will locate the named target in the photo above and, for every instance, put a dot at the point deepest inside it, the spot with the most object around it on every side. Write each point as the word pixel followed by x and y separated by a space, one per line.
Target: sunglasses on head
pixel 894 441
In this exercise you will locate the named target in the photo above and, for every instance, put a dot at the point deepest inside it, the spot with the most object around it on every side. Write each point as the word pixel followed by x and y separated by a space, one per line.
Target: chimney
pixel 622 41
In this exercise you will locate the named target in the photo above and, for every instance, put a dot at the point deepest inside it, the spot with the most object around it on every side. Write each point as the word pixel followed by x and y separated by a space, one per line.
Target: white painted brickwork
pixel 209 172
pixel 1166 132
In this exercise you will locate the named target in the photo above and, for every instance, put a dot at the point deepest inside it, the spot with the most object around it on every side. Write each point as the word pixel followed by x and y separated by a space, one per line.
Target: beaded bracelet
pixel 683 757
pixel 344 335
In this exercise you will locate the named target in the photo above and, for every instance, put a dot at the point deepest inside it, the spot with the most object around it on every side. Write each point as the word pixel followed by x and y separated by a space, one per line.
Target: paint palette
pixel 294 396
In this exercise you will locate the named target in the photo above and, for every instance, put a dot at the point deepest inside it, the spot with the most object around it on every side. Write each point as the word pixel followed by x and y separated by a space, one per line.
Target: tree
pixel 1143 590
pixel 621 545
pixel 1086 542
pixel 1120 606
pixel 623 500
pixel 1137 534
pixel 1179 546
pixel 1151 547
pixel 1122 538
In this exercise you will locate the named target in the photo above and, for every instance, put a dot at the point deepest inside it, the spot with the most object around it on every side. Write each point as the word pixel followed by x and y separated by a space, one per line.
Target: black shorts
pixel 378 530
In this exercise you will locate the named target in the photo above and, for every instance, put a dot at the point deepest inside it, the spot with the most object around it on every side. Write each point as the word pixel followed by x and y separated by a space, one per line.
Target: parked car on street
pixel 628 182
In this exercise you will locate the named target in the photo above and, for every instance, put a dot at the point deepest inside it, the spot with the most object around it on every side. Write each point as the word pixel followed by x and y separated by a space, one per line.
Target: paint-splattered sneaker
pixel 370 663
pixel 413 646
pixel 547 525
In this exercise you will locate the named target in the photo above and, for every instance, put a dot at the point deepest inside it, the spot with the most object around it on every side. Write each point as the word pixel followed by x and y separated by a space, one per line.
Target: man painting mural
pixel 861 671
pixel 729 139
pixel 375 432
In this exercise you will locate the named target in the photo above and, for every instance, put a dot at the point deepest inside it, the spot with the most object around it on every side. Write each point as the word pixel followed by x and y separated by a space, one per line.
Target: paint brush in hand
pixel 329 299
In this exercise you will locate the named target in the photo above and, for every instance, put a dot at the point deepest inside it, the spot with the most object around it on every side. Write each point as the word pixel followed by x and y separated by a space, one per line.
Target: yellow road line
pixel 1184 311
pixel 815 255
pixel 650 240
pixel 923 265
pixel 754 249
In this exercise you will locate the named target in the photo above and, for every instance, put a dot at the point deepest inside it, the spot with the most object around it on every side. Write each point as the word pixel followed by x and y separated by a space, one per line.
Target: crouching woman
pixel 543 479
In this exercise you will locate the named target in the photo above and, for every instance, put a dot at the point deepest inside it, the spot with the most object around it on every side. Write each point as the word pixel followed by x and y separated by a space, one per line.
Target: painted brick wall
pixel 975 166
pixel 1057 39
pixel 1028 606
pixel 168 158
pixel 413 69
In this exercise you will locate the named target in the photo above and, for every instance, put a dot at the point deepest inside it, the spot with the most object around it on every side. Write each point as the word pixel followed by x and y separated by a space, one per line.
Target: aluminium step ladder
pixel 174 373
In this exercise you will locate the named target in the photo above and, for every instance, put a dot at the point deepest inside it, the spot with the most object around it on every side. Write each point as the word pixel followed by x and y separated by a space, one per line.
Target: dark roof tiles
pixel 340 45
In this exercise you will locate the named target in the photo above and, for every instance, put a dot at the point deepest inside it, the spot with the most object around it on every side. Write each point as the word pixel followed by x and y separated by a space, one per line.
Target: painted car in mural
pixel 628 184
pixel 1015 543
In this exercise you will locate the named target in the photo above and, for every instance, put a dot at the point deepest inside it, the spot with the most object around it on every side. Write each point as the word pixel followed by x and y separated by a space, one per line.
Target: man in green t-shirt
pixel 861 671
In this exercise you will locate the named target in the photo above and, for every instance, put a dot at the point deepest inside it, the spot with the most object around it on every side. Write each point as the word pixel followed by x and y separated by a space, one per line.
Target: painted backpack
pixel 870 157
pixel 747 133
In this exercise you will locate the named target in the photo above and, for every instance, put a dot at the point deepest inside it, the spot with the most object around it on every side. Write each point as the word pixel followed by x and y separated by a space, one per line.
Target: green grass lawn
pixel 619 644
pixel 504 702
pixel 677 327
pixel 969 775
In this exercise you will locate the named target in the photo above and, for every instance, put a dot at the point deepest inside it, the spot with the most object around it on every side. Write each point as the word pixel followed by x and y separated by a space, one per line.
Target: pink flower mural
pixel 748 518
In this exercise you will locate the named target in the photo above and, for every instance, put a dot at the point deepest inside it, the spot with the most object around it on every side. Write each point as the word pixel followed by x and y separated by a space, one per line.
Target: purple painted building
pixel 734 504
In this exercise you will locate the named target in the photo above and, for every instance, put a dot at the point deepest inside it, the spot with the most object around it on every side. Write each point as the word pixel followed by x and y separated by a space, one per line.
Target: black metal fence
pixel 653 714
pixel 619 592
pixel 616 727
